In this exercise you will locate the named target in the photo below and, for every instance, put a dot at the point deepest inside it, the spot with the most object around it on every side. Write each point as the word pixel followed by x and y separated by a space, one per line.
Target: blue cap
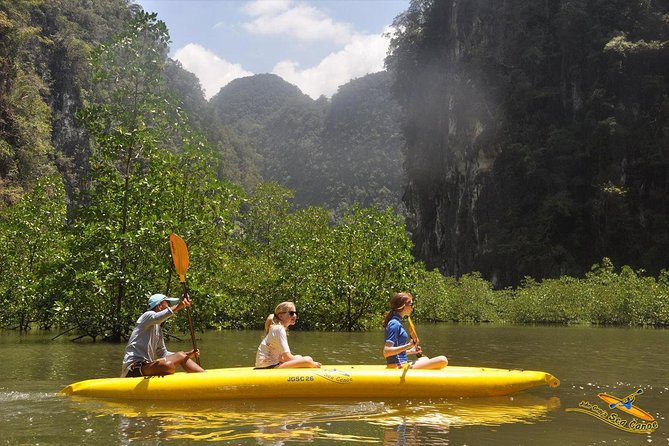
pixel 158 298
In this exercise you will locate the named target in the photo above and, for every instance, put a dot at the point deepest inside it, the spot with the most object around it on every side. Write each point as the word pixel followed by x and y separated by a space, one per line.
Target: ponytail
pixel 271 319
pixel 387 318
pixel 397 302
pixel 274 318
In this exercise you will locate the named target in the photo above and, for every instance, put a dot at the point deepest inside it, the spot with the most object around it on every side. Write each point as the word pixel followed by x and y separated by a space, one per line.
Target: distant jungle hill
pixel 332 153
pixel 518 138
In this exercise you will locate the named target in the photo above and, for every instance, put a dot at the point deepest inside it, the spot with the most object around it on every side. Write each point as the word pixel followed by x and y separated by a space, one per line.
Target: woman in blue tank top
pixel 397 342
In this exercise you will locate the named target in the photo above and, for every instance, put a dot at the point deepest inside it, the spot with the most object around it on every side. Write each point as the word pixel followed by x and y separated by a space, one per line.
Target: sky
pixel 317 45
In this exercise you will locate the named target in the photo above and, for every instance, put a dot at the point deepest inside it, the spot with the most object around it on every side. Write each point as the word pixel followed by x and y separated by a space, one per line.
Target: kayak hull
pixel 333 381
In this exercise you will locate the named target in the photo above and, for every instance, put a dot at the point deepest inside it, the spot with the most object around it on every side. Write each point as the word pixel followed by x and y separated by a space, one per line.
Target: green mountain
pixel 332 153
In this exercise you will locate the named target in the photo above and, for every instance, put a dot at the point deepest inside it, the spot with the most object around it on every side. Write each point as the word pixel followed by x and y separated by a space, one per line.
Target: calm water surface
pixel 586 360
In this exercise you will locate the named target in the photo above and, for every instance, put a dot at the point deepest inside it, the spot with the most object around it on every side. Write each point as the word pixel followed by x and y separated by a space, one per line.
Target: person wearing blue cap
pixel 146 354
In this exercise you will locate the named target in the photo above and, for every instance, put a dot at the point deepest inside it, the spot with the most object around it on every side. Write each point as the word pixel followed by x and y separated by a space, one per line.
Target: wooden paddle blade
pixel 179 256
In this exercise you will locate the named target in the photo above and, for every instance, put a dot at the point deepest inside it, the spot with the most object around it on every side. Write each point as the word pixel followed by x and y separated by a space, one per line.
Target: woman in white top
pixel 273 351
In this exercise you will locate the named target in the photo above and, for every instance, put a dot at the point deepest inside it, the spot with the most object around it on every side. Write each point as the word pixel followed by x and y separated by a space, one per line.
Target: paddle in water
pixel 181 262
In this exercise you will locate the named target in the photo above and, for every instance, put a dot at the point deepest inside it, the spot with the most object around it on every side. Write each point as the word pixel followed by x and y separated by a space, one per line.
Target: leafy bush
pixel 435 296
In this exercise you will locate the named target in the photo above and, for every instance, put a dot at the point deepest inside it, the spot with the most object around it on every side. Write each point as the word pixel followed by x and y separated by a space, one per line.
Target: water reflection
pixel 279 422
pixel 409 425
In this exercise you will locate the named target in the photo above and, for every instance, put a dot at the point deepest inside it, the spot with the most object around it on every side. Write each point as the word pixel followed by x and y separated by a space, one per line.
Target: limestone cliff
pixel 521 121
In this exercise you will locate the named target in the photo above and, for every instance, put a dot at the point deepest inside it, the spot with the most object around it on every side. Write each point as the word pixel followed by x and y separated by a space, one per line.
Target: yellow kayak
pixel 332 381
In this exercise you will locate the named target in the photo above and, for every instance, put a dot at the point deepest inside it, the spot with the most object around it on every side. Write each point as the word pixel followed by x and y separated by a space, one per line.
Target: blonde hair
pixel 397 302
pixel 273 318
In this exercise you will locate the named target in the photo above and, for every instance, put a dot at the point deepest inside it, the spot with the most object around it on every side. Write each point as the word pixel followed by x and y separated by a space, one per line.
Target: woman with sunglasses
pixel 398 344
pixel 273 351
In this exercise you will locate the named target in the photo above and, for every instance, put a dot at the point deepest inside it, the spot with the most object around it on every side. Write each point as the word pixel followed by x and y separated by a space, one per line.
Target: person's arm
pixel 282 338
pixel 389 348
pixel 183 303
pixel 156 317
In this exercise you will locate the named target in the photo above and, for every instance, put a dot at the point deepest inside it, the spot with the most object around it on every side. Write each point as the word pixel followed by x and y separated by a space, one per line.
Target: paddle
pixel 627 401
pixel 413 334
pixel 180 259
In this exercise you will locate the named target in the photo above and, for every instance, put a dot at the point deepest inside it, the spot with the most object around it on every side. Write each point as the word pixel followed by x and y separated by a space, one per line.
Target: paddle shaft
pixel 413 334
pixel 190 324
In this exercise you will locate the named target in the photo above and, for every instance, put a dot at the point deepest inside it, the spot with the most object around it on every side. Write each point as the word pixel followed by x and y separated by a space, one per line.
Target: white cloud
pixel 213 72
pixel 306 23
pixel 359 54
pixel 265 7
pixel 363 55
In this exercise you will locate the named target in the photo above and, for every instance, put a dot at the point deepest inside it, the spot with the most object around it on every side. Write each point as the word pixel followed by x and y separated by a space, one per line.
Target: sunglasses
pixel 290 313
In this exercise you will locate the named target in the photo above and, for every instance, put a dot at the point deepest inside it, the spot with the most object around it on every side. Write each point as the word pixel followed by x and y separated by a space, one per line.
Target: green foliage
pixel 627 297
pixel 468 299
pixel 339 274
pixel 33 250
pixel 304 248
pixel 240 163
pixel 435 294
pixel 475 300
pixel 560 301
pixel 150 174
pixel 360 160
pixel 603 296
pixel 44 48
pixel 249 276
pixel 368 259
pixel 25 117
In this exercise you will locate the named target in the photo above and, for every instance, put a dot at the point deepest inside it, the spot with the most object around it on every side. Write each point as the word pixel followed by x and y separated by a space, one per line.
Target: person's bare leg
pixel 438 362
pixel 183 359
pixel 160 367
pixel 191 366
pixel 299 362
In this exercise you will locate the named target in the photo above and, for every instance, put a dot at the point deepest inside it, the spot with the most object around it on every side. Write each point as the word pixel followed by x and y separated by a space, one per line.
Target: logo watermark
pixel 620 413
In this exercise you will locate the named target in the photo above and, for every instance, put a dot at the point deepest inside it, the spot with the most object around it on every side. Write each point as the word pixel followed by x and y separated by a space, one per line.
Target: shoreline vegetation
pixel 603 297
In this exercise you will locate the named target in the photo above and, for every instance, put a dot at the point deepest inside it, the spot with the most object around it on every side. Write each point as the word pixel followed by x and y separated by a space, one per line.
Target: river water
pixel 587 360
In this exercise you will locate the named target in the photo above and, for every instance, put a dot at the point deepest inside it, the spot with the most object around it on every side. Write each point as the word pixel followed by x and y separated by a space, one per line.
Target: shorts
pixel 268 367
pixel 135 369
